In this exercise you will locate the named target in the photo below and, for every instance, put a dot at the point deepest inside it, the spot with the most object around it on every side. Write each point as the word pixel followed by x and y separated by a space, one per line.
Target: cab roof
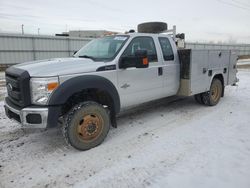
pixel 145 34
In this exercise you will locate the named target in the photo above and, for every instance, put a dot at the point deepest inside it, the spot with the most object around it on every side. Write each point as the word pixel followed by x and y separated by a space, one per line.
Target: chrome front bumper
pixel 28 117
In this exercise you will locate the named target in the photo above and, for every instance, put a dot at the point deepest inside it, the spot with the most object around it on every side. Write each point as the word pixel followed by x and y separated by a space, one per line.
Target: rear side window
pixel 166 48
pixel 142 43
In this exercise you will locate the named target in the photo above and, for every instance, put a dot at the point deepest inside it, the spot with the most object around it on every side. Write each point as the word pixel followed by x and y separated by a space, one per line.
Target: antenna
pixel 22 29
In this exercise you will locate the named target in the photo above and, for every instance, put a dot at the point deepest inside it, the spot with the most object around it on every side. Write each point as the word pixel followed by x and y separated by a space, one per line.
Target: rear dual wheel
pixel 198 98
pixel 212 97
pixel 215 92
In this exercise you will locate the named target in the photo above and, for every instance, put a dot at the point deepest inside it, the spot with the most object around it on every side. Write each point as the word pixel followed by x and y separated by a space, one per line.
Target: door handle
pixel 225 70
pixel 204 70
pixel 160 71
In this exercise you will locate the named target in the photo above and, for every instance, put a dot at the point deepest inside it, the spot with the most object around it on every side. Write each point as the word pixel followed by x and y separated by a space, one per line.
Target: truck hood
pixel 59 66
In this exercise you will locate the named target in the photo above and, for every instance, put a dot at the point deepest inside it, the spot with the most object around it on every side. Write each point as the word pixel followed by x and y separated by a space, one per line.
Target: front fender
pixel 79 83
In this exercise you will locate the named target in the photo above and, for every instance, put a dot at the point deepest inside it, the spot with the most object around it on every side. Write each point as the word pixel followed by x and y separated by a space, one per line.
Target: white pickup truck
pixel 108 75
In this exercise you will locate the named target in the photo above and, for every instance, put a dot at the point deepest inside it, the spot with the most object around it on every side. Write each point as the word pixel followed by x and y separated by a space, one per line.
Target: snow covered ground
pixel 169 143
pixel 2 84
pixel 243 61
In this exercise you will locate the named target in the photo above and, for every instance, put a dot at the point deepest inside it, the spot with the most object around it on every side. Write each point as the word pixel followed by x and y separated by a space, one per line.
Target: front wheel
pixel 86 125
pixel 212 97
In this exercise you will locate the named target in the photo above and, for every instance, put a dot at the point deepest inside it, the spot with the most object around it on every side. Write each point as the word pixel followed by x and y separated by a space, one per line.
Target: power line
pixel 241 3
pixel 234 5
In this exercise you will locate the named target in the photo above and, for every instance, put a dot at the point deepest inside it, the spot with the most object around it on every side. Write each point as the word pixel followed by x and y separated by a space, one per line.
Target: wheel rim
pixel 89 127
pixel 215 92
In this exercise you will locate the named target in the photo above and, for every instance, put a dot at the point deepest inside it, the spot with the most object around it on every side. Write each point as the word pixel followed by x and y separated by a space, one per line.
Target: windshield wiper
pixel 86 56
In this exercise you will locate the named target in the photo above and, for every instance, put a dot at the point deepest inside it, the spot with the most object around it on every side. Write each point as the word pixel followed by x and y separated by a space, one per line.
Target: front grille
pixel 17 83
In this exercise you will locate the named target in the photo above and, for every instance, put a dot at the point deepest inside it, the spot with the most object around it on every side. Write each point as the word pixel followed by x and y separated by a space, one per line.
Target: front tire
pixel 86 125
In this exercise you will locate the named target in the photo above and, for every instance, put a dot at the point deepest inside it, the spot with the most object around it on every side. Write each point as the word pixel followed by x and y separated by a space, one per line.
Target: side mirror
pixel 139 60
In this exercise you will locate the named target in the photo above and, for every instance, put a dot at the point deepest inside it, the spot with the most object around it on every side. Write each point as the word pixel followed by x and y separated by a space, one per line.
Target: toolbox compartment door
pixel 218 59
pixel 199 71
pixel 219 63
pixel 232 70
pixel 194 72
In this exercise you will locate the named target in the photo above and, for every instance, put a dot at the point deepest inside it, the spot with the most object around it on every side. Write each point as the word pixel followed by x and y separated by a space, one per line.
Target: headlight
pixel 41 88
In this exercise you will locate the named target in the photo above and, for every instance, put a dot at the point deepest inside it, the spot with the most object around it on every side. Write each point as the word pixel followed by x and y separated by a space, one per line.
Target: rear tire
pixel 86 125
pixel 212 97
pixel 198 98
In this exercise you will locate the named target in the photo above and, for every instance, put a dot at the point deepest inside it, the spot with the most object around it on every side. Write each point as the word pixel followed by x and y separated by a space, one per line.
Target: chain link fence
pixel 16 48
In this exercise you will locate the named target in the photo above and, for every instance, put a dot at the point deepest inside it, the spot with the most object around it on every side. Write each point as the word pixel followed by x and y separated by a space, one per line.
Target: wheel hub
pixel 90 127
pixel 215 92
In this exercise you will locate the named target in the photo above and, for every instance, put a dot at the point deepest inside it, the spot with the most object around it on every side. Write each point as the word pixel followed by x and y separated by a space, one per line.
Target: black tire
pixel 86 125
pixel 152 27
pixel 198 98
pixel 212 97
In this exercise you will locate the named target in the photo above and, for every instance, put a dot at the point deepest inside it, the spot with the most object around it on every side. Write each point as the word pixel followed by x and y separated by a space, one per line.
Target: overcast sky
pixel 200 20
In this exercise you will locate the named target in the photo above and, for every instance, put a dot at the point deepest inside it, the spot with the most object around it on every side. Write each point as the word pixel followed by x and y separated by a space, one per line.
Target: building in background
pixel 87 33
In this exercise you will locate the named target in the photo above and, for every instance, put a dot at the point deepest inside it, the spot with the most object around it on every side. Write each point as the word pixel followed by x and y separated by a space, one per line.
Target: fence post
pixel 33 48
pixel 69 47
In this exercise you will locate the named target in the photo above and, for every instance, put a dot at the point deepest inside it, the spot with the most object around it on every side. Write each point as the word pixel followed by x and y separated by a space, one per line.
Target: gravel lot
pixel 169 143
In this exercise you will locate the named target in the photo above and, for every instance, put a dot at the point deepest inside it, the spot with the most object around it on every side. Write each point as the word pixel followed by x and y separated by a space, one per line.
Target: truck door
pixel 139 85
pixel 171 67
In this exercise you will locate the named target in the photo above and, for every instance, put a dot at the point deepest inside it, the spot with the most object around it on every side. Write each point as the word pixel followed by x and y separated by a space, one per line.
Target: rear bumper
pixel 28 117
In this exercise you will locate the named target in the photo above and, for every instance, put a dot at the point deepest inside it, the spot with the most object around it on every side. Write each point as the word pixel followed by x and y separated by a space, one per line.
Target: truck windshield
pixel 102 49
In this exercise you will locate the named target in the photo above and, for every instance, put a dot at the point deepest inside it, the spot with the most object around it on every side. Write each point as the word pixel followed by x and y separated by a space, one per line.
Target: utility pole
pixel 38 31
pixel 22 29
pixel 66 28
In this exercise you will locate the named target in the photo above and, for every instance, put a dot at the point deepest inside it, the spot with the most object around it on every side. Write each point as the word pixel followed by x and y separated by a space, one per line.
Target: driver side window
pixel 142 43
